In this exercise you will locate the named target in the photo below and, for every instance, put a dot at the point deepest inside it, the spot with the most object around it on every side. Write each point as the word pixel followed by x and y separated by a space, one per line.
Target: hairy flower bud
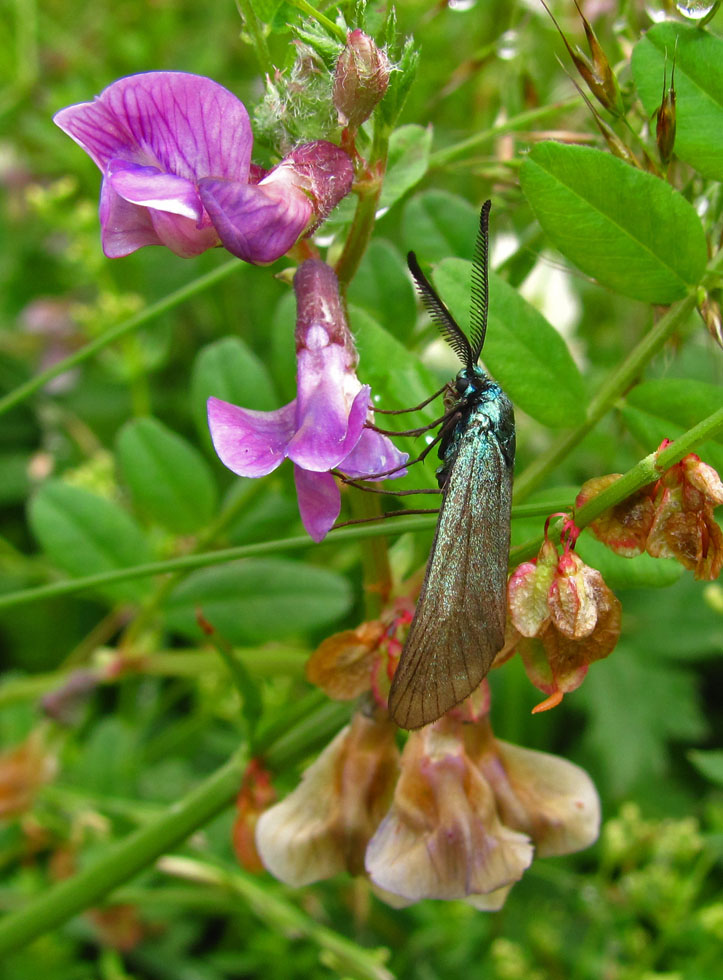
pixel 360 80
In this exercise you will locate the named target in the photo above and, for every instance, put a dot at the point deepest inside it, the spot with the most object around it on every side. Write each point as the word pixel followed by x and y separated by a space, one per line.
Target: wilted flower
pixel 550 799
pixel 360 79
pixel 352 662
pixel 323 826
pixel 466 814
pixel 23 770
pixel 562 618
pixel 672 518
pixel 624 528
pixel 175 153
pixel 443 837
pixel 684 526
pixel 255 796
pixel 324 427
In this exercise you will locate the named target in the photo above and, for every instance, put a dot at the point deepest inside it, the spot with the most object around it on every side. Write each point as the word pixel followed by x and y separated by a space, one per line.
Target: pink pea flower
pixel 323 428
pixel 175 153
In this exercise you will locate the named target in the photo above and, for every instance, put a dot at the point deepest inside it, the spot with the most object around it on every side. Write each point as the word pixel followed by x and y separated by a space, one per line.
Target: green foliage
pixel 83 533
pixel 147 698
pixel 169 480
pixel 698 58
pixel 525 353
pixel 615 238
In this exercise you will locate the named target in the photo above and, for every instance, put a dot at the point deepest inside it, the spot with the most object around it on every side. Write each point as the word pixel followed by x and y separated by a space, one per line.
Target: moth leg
pixel 403 411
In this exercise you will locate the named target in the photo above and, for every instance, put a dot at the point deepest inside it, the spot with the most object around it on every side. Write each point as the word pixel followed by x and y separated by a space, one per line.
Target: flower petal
pixel 183 235
pixel 327 429
pixel 324 825
pixel 94 128
pixel 320 169
pixel 293 838
pixel 553 800
pixel 250 443
pixel 319 501
pixel 153 189
pixel 186 124
pixel 254 223
pixel 374 453
pixel 124 227
pixel 442 837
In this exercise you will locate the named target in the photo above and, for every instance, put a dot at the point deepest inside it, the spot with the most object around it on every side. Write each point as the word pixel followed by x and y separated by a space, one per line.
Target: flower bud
pixel 665 120
pixel 360 80
pixel 597 73
pixel 710 311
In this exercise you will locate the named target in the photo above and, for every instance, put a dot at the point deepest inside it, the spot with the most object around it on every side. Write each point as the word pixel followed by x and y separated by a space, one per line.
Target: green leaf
pixel 708 764
pixel 258 601
pixel 407 163
pixel 635 706
pixel 438 225
pixel 666 408
pixel 698 59
pixel 84 534
pixel 383 288
pixel 641 572
pixel 170 482
pixel 522 350
pixel 265 9
pixel 230 370
pixel 399 380
pixel 628 229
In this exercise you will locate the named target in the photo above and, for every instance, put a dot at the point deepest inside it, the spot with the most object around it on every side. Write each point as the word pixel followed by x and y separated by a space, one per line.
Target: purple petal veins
pixel 175 153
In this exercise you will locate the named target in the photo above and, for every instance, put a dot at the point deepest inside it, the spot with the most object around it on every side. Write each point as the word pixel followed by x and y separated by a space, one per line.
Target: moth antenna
pixel 480 284
pixel 448 326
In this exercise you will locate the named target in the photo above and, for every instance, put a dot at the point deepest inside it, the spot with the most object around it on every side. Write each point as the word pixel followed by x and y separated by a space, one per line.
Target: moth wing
pixel 459 624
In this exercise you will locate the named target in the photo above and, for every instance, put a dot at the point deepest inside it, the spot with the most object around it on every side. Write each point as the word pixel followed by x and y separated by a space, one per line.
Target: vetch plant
pixel 186 627
pixel 175 153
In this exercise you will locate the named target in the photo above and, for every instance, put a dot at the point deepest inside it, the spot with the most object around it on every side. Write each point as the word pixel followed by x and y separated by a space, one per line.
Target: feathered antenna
pixel 448 326
pixel 480 284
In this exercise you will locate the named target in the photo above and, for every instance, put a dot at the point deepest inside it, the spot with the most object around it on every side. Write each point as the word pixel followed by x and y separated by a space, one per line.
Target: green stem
pixel 615 386
pixel 369 192
pixel 148 612
pixel 123 860
pixel 253 26
pixel 316 15
pixel 375 555
pixel 647 471
pixel 189 562
pixel 347 958
pixel 521 121
pixel 24 391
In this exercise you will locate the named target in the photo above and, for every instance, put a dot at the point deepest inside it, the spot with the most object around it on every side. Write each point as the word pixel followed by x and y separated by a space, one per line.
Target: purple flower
pixel 323 427
pixel 175 153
